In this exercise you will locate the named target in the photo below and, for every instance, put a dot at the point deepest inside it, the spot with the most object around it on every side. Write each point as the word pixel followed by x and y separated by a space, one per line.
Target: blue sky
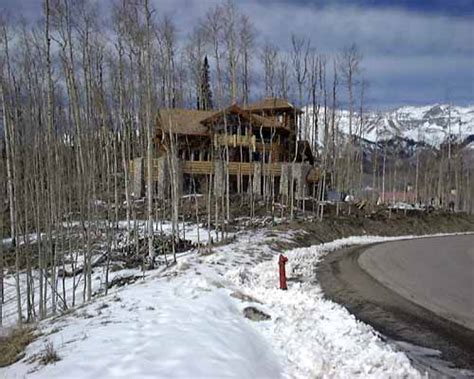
pixel 415 51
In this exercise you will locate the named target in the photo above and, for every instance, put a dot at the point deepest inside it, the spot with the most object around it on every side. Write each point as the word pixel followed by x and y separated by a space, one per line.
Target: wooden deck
pixel 235 168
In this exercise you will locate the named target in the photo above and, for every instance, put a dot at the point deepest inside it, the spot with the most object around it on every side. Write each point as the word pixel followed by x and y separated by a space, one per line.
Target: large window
pixel 235 125
pixel 266 133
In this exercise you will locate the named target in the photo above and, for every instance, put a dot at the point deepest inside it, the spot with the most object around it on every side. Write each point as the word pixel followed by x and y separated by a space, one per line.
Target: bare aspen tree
pixel 124 100
pixel 219 35
pixel 230 36
pixel 375 165
pixel 213 27
pixel 300 61
pixel 350 67
pixel 363 86
pixel 195 55
pixel 49 111
pixel 172 162
pixel 268 57
pixel 3 179
pixel 166 41
pixel 314 63
pixel 283 68
pixel 149 131
pixel 246 42
pixel 325 153
pixel 334 153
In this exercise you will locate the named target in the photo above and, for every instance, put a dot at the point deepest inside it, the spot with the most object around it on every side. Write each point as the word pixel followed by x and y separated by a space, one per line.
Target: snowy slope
pixel 185 327
pixel 425 124
pixel 188 231
pixel 187 321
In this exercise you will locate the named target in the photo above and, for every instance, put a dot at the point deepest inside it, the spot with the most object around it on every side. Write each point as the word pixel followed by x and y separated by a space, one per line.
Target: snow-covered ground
pixel 72 287
pixel 187 322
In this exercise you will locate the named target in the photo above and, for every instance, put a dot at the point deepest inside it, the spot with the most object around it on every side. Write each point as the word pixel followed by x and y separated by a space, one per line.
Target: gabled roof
pixel 196 122
pixel 184 121
pixel 234 108
pixel 271 103
pixel 255 119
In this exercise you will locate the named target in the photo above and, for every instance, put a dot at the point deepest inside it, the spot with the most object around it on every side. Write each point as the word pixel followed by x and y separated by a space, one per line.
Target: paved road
pixel 436 273
pixel 423 295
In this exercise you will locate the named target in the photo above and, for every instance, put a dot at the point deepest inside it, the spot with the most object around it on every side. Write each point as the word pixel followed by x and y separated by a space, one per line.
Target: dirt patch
pixel 121 281
pixel 315 232
pixel 13 345
pixel 256 314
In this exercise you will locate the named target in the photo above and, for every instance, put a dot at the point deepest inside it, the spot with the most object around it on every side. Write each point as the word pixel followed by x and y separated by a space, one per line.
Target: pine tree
pixel 205 96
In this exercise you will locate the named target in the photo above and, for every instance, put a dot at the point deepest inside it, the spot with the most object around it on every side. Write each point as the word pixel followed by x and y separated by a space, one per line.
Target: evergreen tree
pixel 205 95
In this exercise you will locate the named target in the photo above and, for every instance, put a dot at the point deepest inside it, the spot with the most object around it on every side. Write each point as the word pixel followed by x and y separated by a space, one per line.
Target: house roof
pixel 184 121
pixel 195 122
pixel 234 108
pixel 253 118
pixel 271 103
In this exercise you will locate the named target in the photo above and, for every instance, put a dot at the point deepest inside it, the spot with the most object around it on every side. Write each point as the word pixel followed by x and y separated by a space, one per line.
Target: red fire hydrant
pixel 281 262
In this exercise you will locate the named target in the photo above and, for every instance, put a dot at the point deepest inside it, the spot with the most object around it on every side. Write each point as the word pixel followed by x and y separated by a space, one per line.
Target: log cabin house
pixel 255 145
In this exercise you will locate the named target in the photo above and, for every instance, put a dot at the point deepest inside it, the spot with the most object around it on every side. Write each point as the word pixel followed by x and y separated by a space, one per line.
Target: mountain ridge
pixel 431 125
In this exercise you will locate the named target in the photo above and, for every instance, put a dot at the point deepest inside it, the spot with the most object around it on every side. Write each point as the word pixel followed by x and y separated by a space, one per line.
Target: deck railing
pixel 235 140
pixel 235 168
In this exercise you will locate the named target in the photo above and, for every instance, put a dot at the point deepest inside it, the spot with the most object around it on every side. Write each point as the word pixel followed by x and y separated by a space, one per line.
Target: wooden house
pixel 249 145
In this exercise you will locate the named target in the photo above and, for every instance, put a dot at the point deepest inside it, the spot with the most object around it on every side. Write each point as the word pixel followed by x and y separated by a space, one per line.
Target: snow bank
pixel 181 327
pixel 313 336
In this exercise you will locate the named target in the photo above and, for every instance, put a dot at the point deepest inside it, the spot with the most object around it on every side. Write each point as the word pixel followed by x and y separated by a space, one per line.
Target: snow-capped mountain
pixel 427 125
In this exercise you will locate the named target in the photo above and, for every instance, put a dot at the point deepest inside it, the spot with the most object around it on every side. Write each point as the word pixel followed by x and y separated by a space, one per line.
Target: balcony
pixel 235 168
pixel 235 140
pixel 207 168
pixel 250 141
